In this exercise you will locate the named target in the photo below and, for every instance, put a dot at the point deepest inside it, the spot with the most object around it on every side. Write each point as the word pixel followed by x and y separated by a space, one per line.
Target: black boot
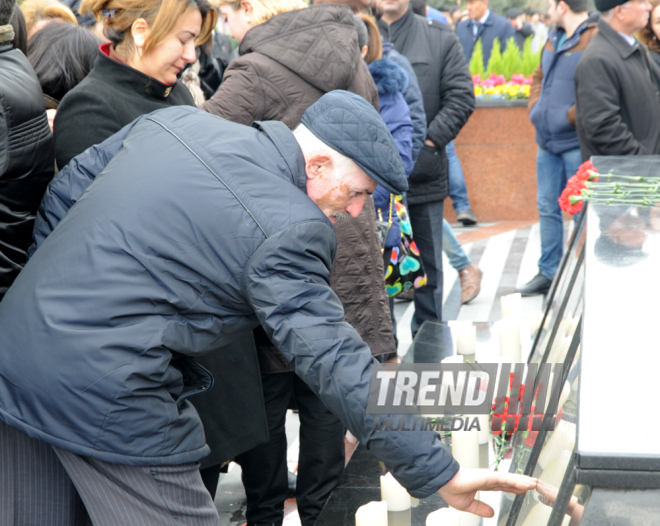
pixel 539 284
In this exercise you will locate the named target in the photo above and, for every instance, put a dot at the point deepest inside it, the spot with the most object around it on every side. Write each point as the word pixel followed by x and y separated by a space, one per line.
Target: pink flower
pixel 476 79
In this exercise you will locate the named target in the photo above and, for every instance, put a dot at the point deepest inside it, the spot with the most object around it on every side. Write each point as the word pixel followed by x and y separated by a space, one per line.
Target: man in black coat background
pixel 26 151
pixel 446 86
pixel 617 86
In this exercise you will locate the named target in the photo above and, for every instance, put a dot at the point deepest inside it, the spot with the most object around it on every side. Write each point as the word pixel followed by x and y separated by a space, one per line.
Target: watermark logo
pixel 449 397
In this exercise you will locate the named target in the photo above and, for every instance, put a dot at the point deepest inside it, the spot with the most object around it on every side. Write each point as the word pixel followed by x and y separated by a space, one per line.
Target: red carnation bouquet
pixel 587 185
pixel 571 198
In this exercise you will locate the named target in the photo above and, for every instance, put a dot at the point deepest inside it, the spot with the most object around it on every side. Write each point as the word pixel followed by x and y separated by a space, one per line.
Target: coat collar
pixel 398 27
pixel 289 149
pixel 624 49
pixel 130 79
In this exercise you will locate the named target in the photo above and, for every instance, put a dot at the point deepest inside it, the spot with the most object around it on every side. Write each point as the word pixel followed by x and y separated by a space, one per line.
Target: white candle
pixel 466 337
pixel 465 448
pixel 535 319
pixel 455 358
pixel 443 517
pixel 554 472
pixel 510 339
pixel 562 439
pixel 468 519
pixel 484 432
pixel 394 494
pixel 372 514
pixel 414 502
pixel 511 305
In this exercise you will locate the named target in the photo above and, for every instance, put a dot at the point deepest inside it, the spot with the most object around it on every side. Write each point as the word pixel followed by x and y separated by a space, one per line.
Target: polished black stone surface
pixel 361 484
pixel 432 344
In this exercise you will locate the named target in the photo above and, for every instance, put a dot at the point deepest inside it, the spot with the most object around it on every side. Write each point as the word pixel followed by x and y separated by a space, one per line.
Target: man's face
pixel 516 22
pixel 394 9
pixel 337 195
pixel 477 9
pixel 555 13
pixel 634 15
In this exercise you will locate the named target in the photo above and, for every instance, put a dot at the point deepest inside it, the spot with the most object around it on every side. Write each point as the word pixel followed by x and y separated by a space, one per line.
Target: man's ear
pixel 318 166
pixel 140 32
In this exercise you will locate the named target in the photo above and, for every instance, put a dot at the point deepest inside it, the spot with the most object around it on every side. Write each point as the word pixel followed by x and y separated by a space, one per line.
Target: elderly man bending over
pixel 187 228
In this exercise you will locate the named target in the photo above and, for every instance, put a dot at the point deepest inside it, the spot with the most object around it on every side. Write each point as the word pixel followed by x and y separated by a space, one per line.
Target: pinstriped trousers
pixel 41 485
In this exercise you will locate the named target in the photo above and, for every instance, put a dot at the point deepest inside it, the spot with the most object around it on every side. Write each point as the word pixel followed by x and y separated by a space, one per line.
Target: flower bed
pixel 496 87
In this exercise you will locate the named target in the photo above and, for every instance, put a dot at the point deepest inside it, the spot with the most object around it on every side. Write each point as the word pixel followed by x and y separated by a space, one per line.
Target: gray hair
pixel 310 144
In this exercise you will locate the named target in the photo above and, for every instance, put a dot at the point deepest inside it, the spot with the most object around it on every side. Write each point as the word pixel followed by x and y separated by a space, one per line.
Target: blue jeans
pixel 552 172
pixel 458 259
pixel 426 221
pixel 457 187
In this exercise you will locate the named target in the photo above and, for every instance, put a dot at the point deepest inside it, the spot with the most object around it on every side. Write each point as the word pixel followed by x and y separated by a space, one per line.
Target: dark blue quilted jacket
pixel 169 251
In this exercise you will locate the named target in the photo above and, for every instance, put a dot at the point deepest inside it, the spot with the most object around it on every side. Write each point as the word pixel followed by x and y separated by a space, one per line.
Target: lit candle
pixel 443 517
pixel 465 448
pixel 511 305
pixel 510 339
pixel 394 494
pixel 372 514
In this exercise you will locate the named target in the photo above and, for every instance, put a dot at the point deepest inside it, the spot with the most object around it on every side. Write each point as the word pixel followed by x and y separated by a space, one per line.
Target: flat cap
pixel 606 5
pixel 514 13
pixel 348 124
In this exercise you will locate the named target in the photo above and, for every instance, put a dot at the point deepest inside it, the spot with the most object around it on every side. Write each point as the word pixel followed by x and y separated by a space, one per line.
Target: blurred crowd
pixel 74 73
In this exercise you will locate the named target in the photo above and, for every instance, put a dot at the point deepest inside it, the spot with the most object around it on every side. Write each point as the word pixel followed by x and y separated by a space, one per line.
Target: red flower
pixel 565 202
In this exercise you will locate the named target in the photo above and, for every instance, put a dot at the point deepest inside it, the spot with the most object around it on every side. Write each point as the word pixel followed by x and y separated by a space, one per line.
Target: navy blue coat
pixel 168 251
pixel 550 114
pixel 496 26
pixel 412 96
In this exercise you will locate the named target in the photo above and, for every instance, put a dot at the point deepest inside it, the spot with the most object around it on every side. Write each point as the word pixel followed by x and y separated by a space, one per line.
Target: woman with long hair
pixel 151 41
pixel 651 33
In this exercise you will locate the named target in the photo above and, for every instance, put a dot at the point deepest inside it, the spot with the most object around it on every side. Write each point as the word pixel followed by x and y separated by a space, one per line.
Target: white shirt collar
pixel 627 38
pixel 485 17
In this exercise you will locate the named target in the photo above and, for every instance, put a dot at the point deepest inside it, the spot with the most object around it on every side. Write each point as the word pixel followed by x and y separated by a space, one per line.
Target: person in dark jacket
pixel 523 29
pixel 617 86
pixel 446 86
pixel 290 55
pixel 483 25
pixel 137 278
pixel 26 155
pixel 651 32
pixel 552 111
pixel 134 74
pixel 390 80
pixel 62 55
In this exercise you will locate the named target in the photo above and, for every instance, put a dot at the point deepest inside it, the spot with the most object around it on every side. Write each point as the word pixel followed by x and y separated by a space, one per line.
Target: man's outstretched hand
pixel 460 491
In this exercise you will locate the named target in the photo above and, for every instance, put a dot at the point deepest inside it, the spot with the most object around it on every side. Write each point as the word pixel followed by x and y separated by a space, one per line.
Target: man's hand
pixel 430 143
pixel 460 491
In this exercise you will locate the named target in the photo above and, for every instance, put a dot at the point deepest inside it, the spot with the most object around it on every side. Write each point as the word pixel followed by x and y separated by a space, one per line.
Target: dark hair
pixel 419 7
pixel 6 8
pixel 20 30
pixel 652 40
pixel 577 6
pixel 62 55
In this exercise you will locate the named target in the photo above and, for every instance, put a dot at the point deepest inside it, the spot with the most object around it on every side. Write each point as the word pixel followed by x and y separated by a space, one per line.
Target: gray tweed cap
pixel 350 125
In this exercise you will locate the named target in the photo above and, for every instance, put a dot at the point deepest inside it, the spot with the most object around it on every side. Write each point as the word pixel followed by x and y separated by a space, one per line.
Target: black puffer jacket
pixel 446 85
pixel 26 159
pixel 286 65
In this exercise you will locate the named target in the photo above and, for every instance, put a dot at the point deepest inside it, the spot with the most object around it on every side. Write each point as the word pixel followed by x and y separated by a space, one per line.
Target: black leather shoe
pixel 466 217
pixel 539 284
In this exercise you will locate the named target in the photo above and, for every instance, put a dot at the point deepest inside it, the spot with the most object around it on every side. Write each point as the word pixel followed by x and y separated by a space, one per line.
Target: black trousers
pixel 320 462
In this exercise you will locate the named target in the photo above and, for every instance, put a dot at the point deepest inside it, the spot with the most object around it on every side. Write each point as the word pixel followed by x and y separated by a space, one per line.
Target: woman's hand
pixel 460 491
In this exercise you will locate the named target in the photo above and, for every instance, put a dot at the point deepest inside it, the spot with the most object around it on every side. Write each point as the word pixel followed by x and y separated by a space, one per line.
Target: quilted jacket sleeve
pixel 69 184
pixel 286 282
pixel 240 97
pixel 456 97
